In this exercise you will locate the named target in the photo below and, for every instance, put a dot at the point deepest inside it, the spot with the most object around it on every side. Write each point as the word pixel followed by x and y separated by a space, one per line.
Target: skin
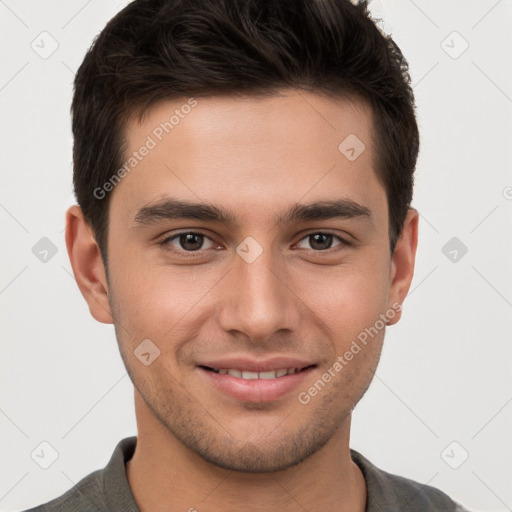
pixel 197 447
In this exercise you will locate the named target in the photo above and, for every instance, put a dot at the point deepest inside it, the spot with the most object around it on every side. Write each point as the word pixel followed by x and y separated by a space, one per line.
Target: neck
pixel 164 475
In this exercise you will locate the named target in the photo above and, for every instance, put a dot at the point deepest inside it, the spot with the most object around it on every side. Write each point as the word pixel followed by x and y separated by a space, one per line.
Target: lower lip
pixel 255 390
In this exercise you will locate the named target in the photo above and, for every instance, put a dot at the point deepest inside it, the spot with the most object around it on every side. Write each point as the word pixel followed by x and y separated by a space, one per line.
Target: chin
pixel 250 458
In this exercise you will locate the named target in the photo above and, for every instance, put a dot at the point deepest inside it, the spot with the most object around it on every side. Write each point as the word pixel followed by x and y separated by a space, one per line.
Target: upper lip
pixel 254 365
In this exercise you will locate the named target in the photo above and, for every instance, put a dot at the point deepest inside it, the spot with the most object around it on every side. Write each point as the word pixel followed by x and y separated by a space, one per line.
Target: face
pixel 229 314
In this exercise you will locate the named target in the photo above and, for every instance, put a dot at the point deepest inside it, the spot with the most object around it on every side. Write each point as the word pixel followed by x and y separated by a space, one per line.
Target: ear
pixel 402 264
pixel 87 264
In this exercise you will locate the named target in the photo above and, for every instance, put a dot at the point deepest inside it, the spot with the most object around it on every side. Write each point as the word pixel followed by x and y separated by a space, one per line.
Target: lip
pixel 256 390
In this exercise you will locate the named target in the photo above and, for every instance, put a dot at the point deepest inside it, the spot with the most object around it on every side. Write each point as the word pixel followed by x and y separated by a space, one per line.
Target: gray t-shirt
pixel 107 490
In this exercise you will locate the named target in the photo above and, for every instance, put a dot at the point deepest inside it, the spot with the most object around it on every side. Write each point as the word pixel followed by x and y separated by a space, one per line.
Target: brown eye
pixel 191 241
pixel 321 241
pixel 187 242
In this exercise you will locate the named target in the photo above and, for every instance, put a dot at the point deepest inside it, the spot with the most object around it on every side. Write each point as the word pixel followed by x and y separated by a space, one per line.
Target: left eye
pixel 189 242
pixel 320 241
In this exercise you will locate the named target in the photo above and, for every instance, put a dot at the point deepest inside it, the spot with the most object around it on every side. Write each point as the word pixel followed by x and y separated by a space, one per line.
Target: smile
pixel 255 384
pixel 249 375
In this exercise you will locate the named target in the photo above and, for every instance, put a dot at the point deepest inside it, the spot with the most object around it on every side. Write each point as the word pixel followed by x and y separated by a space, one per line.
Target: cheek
pixel 153 300
pixel 347 299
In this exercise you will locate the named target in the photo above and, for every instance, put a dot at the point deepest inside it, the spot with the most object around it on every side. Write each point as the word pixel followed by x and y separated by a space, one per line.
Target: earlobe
pixel 402 264
pixel 85 258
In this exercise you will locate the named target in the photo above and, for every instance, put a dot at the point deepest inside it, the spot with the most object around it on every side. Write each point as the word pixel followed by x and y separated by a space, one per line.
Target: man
pixel 244 172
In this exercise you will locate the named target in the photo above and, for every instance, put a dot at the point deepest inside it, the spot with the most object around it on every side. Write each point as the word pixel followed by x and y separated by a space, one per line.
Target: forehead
pixel 250 152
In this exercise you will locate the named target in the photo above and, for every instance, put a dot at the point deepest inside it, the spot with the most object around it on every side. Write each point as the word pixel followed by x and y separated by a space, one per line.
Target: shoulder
pixel 390 493
pixel 85 496
pixel 104 490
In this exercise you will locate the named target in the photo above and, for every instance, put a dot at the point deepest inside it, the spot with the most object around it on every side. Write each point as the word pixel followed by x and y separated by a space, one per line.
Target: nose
pixel 258 299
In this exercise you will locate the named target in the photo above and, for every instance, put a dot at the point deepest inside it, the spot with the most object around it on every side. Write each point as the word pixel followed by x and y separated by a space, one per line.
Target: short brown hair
pixel 156 50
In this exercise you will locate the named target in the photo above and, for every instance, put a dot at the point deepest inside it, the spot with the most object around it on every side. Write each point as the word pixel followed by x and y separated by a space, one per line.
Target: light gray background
pixel 445 373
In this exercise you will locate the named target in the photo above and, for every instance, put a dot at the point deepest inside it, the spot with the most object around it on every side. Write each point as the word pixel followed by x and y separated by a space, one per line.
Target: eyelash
pixel 200 252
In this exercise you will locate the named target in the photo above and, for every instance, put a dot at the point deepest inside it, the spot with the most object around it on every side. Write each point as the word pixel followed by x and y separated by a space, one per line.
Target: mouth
pixel 252 375
pixel 255 384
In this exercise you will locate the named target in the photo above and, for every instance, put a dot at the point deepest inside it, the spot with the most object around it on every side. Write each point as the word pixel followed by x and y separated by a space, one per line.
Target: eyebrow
pixel 175 209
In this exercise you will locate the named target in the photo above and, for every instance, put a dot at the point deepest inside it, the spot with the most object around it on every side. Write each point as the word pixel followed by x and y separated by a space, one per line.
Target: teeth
pixel 256 375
